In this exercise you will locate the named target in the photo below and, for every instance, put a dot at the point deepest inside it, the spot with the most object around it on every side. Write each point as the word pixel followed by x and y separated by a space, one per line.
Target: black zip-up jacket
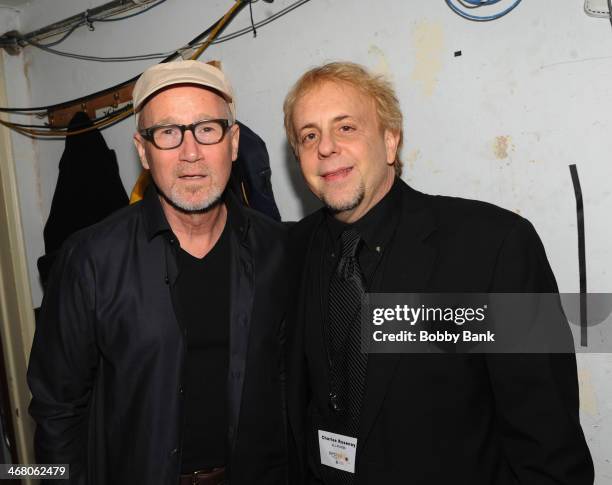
pixel 106 363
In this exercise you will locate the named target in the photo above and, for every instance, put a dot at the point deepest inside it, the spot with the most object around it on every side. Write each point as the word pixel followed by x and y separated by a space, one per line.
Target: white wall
pixel 528 96
pixel 9 19
pixel 24 152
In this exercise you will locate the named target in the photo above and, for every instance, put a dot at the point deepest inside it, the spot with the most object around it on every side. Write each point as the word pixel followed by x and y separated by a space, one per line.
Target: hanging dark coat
pixel 88 189
pixel 250 178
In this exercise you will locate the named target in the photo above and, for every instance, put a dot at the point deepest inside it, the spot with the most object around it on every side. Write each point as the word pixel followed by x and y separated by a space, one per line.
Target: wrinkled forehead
pixel 167 103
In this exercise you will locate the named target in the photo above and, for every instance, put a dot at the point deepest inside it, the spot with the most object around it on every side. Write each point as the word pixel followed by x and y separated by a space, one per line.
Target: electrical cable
pixel 261 23
pixel 211 33
pixel 138 57
pixel 62 39
pixel 195 42
pixel 469 5
pixel 86 20
pixel 41 111
pixel 110 19
pixel 252 21
pixel 483 18
pixel 219 27
pixel 478 3
pixel 95 120
pixel 108 121
pixel 45 132
pixel 162 55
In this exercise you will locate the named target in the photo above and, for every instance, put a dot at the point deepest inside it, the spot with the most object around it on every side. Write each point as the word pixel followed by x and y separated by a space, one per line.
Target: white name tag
pixel 337 451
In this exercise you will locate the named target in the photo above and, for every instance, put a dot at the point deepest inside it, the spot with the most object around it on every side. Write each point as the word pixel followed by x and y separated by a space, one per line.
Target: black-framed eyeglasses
pixel 205 132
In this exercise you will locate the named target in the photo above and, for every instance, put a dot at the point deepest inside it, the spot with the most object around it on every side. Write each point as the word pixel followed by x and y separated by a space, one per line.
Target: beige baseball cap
pixel 181 72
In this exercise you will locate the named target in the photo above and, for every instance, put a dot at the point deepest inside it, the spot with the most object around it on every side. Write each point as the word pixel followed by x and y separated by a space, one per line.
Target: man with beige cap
pixel 158 354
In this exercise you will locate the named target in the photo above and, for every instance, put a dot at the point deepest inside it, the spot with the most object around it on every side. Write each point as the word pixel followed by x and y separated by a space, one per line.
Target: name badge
pixel 337 451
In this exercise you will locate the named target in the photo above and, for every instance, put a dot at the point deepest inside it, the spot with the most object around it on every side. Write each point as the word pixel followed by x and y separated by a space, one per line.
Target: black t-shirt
pixel 204 296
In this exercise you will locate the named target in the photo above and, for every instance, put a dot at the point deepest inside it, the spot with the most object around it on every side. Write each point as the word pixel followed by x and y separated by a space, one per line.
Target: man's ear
pixel 391 142
pixel 139 143
pixel 234 140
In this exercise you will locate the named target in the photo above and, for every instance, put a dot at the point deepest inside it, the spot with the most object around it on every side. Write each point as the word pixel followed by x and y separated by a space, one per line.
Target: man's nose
pixel 327 144
pixel 189 150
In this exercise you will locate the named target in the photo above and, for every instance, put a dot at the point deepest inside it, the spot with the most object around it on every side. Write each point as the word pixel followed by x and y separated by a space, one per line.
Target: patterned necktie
pixel 346 293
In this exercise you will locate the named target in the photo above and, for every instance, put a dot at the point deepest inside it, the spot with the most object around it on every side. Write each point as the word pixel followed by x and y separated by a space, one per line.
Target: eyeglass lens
pixel 171 136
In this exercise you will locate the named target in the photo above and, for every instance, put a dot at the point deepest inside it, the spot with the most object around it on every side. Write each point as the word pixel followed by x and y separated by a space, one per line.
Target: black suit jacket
pixel 106 367
pixel 436 419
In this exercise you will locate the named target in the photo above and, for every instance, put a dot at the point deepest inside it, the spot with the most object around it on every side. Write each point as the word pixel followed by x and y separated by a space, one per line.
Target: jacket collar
pixel 237 215
pixel 418 218
pixel 154 217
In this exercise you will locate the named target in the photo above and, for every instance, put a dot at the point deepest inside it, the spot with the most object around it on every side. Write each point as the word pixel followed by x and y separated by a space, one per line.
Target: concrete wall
pixel 528 96
pixel 9 18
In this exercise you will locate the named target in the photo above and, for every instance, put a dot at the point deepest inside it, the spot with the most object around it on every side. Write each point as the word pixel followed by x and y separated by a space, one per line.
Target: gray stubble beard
pixel 211 201
pixel 349 205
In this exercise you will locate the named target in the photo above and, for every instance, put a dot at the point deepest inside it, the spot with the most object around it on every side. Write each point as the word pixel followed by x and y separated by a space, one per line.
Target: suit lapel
pixel 407 268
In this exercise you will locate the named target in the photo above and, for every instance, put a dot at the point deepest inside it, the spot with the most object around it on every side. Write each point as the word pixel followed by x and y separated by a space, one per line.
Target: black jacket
pixel 478 419
pixel 106 363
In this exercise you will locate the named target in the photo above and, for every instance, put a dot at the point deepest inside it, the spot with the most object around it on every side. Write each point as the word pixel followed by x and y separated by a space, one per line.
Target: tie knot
pixel 350 240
